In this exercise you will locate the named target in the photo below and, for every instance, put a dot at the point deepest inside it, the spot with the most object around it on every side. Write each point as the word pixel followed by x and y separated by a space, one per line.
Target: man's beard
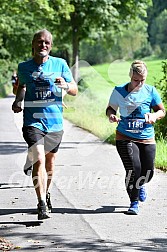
pixel 43 54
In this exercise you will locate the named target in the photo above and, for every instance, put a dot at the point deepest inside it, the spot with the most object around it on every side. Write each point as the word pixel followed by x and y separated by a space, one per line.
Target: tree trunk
pixel 75 48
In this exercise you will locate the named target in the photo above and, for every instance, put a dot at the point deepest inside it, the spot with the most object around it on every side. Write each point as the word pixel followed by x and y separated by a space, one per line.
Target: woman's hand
pixel 150 118
pixel 113 118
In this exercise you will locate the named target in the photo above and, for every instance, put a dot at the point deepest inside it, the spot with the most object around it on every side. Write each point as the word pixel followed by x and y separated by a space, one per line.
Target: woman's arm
pixel 159 112
pixel 111 114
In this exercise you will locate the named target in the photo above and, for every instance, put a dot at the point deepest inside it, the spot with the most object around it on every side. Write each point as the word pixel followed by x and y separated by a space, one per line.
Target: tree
pixel 158 33
pixel 160 126
pixel 70 21
pixel 17 24
pixel 133 41
pixel 158 6
pixel 19 20
pixel 126 44
pixel 99 15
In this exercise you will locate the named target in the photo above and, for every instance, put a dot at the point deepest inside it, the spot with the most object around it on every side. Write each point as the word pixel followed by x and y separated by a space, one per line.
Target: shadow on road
pixel 54 242
pixel 103 209
pixel 7 148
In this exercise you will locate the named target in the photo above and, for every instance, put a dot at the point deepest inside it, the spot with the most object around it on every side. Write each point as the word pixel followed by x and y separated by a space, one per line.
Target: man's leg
pixel 39 177
pixel 35 140
pixel 39 172
pixel 49 165
pixel 52 142
pixel 29 163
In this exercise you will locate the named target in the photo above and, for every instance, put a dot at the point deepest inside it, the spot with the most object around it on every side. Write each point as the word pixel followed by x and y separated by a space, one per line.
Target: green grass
pixel 87 110
pixel 154 71
pixel 5 89
pixel 117 72
pixel 161 155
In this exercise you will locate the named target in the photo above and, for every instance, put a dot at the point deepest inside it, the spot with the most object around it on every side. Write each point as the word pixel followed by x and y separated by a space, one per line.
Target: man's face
pixel 42 45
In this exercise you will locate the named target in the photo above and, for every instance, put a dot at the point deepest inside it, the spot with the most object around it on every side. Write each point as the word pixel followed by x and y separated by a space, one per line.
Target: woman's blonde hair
pixel 139 67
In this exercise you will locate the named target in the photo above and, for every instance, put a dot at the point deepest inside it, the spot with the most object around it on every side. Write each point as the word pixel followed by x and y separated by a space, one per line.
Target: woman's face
pixel 137 81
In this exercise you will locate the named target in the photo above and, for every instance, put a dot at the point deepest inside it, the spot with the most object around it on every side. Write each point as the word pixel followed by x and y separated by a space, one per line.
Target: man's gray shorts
pixel 51 140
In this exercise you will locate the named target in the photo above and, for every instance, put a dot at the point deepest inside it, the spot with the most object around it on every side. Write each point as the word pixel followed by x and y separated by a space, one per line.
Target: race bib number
pixel 135 125
pixel 42 90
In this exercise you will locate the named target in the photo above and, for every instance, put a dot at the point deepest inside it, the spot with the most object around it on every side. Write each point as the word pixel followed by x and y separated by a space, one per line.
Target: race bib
pixel 42 89
pixel 135 125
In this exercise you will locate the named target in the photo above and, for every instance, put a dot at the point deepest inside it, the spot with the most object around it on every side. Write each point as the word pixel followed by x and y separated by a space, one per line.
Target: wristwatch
pixel 67 88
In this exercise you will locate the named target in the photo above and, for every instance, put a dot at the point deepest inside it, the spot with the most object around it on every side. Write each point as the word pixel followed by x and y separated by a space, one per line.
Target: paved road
pixel 88 197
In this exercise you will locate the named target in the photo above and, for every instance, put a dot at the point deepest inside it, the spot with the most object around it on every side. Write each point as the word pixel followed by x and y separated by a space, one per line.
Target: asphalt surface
pixel 88 197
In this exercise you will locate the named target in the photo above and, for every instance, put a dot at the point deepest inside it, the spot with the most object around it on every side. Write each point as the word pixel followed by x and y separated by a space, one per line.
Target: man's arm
pixel 16 106
pixel 71 88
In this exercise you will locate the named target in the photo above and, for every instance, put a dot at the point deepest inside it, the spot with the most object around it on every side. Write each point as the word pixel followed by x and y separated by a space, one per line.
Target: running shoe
pixel 142 194
pixel 41 208
pixel 134 208
pixel 48 202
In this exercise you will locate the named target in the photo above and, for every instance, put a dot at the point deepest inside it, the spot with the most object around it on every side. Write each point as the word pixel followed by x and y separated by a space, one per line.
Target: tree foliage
pixel 158 34
pixel 18 20
pixel 126 44
pixel 158 6
pixel 99 15
pixel 70 21
pixel 160 126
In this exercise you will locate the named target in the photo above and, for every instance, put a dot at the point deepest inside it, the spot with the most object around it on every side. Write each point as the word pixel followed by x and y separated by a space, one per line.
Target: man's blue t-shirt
pixel 132 108
pixel 43 99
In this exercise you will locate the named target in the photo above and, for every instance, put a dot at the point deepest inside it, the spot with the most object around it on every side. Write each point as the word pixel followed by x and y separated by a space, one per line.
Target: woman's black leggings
pixel 138 160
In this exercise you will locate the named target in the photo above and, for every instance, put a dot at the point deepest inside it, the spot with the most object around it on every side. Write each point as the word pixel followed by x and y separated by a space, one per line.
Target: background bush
pixel 161 125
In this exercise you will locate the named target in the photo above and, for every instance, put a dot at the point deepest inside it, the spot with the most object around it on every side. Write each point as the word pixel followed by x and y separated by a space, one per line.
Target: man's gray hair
pixel 40 32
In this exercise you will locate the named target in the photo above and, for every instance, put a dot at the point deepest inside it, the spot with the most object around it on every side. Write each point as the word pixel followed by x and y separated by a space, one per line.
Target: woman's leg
pixel 147 158
pixel 130 156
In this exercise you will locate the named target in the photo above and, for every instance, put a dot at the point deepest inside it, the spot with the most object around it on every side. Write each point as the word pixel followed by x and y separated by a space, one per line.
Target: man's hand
pixel 16 107
pixel 61 83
